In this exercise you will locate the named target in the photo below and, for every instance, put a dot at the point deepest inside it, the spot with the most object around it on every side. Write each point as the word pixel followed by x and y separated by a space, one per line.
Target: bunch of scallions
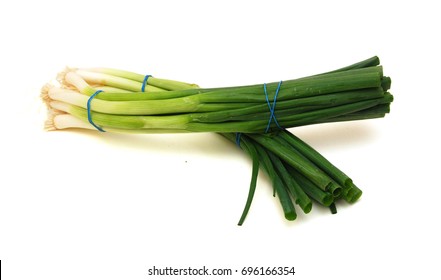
pixel 254 117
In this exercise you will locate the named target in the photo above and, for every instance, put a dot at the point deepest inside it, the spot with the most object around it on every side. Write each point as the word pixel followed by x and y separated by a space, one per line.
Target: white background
pixel 93 205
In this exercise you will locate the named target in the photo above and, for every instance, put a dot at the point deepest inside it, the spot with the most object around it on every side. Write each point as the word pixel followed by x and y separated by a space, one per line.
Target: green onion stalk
pixel 255 117
pixel 350 93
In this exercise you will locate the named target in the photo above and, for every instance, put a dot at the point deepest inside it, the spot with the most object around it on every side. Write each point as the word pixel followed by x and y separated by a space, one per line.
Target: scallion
pixel 135 103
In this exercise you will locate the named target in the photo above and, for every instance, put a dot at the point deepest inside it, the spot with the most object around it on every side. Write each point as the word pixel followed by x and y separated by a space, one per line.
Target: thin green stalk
pixel 355 194
pixel 301 119
pixel 114 81
pixel 322 197
pixel 249 148
pixel 291 89
pixel 347 192
pixel 111 90
pixel 318 177
pixel 299 105
pixel 322 115
pixel 134 96
pixel 333 208
pixel 159 83
pixel 315 157
pixel 282 193
pixel 140 123
pixel 334 188
pixel 118 81
pixel 372 61
pixel 378 111
pixel 300 197
pixel 386 83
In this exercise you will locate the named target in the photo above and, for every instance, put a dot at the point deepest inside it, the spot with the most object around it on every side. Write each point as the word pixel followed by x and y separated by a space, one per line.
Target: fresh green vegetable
pixel 353 93
pixel 293 167
pixel 298 172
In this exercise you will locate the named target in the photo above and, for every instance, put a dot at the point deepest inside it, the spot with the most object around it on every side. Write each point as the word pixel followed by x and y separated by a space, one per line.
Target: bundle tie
pixel 144 83
pixel 89 101
pixel 272 108
pixel 238 135
pixel 89 115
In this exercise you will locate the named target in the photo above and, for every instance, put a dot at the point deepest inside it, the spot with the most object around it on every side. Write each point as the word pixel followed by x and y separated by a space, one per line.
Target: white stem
pixel 61 76
pixel 45 93
pixel 77 81
pixel 69 96
pixel 60 106
pixel 57 119
pixel 109 80
pixel 68 121
pixel 92 77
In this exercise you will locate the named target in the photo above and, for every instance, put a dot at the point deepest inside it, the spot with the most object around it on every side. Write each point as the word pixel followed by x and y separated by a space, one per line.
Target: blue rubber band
pixel 89 115
pixel 273 107
pixel 238 135
pixel 144 83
